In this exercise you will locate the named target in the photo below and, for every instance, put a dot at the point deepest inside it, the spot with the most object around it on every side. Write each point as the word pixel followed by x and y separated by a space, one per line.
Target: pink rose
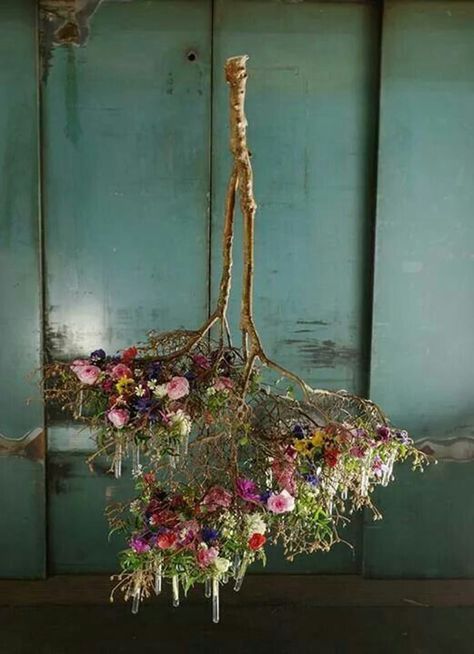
pixel 121 370
pixel 78 363
pixel 118 417
pixel 223 384
pixel 177 387
pixel 87 373
pixel 281 503
pixel 206 555
pixel 217 497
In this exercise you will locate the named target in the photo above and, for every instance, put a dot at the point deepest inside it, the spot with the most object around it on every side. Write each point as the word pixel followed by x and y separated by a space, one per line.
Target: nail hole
pixel 192 56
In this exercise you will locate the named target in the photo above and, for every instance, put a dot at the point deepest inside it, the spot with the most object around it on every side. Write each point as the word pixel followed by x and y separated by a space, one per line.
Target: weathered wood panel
pixel 22 495
pixel 423 338
pixel 312 104
pixel 126 176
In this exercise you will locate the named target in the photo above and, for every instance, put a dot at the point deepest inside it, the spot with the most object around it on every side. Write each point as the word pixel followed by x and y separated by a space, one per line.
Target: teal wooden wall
pixel 362 128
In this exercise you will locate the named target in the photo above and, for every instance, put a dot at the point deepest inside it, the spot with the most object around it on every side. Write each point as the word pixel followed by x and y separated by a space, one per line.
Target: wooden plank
pixel 311 108
pixel 423 341
pixel 126 165
pixel 22 503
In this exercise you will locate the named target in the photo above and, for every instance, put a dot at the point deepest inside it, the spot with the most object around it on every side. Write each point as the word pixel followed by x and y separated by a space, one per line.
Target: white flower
pixel 135 506
pixel 160 391
pixel 180 422
pixel 255 523
pixel 211 390
pixel 140 391
pixel 221 564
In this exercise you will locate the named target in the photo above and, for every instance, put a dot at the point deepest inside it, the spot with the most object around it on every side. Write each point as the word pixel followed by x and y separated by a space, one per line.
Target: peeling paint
pixel 64 22
pixel 456 450
pixel 31 445
pixel 324 354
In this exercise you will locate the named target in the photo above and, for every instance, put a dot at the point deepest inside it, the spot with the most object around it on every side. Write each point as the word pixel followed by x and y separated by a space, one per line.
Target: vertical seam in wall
pixel 42 268
pixel 372 239
pixel 210 168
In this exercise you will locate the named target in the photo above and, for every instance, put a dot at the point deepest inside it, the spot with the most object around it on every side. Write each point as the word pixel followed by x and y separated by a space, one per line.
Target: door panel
pixel 126 179
pixel 312 102
pixel 22 487
pixel 423 341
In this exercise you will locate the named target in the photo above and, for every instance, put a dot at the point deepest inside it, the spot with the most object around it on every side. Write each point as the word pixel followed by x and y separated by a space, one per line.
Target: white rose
pixel 181 422
pixel 221 564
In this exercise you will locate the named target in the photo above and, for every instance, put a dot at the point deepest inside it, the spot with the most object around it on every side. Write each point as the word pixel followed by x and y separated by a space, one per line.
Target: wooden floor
pixel 291 614
pixel 273 629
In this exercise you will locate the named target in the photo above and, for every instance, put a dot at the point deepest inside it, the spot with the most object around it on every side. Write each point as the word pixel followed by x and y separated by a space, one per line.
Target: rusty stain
pixel 325 354
pixel 32 445
pixel 63 22
pixel 455 450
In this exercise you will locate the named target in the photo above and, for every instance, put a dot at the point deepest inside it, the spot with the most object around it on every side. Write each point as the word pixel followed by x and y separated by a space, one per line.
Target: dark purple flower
pixel 142 404
pixel 209 535
pixel 153 370
pixel 298 431
pixel 247 490
pixel 383 432
pixel 313 480
pixel 97 356
pixel 190 376
pixel 139 545
pixel 264 496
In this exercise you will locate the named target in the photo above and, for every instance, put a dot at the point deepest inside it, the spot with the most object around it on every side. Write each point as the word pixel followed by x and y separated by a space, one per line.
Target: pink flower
pixel 118 417
pixel 86 373
pixel 217 497
pixel 139 545
pixel 223 384
pixel 177 387
pixel 202 361
pixel 206 555
pixel 284 474
pixel 78 363
pixel 281 503
pixel 121 370
pixel 187 532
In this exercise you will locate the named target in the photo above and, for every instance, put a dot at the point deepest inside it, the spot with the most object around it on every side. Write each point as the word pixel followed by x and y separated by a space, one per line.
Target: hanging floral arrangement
pixel 226 461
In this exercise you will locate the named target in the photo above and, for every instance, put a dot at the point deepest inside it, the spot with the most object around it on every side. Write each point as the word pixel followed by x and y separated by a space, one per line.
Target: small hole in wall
pixel 191 55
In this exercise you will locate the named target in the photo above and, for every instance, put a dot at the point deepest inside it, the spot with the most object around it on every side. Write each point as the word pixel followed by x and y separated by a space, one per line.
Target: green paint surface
pixel 22 496
pixel 423 337
pixel 126 150
pixel 311 99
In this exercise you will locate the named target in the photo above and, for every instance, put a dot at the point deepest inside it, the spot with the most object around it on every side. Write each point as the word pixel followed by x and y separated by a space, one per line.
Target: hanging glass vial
pixel 388 469
pixel 136 599
pixel 207 588
pixel 241 573
pixel 215 600
pixel 158 578
pixel 118 461
pixel 175 590
pixel 135 458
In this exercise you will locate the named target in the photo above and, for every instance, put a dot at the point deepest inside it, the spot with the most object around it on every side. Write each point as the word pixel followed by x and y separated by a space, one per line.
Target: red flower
pixel 256 541
pixel 129 354
pixel 166 541
pixel 331 456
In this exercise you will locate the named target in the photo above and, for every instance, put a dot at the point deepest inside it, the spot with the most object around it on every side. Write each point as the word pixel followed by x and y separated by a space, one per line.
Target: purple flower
pixel 209 535
pixel 264 496
pixel 383 432
pixel 97 356
pixel 402 436
pixel 247 490
pixel 139 545
pixel 142 404
pixel 298 431
pixel 313 480
pixel 153 370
